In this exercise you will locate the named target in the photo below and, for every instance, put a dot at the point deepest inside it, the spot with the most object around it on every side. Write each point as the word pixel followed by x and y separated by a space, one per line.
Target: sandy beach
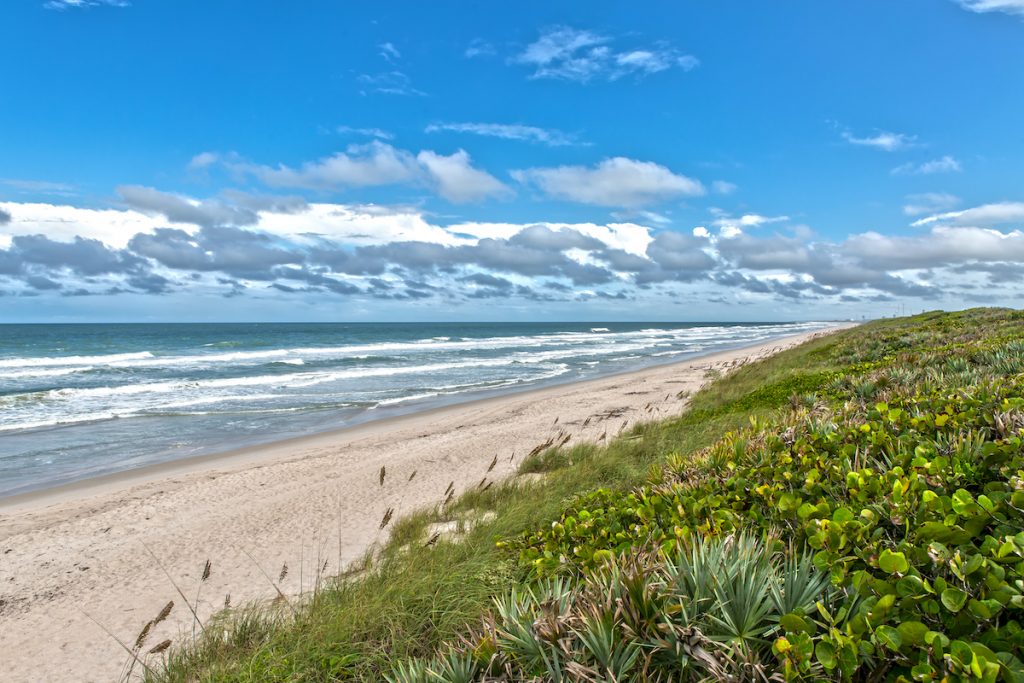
pixel 78 561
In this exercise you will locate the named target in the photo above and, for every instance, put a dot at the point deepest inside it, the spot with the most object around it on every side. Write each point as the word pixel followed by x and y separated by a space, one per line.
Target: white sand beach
pixel 75 561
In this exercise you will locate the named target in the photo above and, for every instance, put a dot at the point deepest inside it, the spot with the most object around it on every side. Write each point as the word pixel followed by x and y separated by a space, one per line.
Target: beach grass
pixel 426 590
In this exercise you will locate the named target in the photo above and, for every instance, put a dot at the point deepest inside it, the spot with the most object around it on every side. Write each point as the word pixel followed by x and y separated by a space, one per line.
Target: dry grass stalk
pixel 191 609
pixel 160 648
pixel 284 573
pixel 382 473
pixel 164 613
pixel 493 463
pixel 387 518
pixel 433 539
pixel 131 653
pixel 413 475
pixel 451 487
pixel 140 640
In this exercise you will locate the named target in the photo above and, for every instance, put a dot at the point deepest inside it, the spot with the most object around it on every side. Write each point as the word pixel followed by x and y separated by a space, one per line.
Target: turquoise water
pixel 78 401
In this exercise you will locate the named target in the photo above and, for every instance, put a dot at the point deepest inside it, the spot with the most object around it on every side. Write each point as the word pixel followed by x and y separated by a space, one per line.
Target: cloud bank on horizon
pixel 583 195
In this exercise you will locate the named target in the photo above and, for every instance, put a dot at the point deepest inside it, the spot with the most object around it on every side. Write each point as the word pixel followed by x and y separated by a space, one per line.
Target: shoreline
pixel 84 549
pixel 254 453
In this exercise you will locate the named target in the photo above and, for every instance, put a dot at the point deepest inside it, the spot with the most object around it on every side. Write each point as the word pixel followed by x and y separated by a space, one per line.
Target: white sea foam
pixel 58 372
pixel 57 361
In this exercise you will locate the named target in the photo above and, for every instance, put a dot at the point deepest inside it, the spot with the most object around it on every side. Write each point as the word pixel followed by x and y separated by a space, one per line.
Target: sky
pixel 260 160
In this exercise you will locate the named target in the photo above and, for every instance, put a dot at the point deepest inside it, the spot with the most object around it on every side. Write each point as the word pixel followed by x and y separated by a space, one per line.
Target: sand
pixel 78 561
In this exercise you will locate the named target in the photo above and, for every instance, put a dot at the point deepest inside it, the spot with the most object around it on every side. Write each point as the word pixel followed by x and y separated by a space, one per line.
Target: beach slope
pixel 85 563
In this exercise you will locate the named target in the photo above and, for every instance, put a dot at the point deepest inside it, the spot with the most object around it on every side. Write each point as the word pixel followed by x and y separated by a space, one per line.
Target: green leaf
pixel 794 623
pixel 912 632
pixel 889 637
pixel 954 599
pixel 892 562
pixel 826 654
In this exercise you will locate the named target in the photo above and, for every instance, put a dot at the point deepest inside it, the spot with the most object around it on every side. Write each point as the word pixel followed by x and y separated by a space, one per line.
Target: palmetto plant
pixel 708 612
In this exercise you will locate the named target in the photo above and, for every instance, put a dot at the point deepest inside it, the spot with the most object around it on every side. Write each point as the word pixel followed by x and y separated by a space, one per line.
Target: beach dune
pixel 96 557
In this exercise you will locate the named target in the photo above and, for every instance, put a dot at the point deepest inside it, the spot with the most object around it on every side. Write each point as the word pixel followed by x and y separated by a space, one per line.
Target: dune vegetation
pixel 850 509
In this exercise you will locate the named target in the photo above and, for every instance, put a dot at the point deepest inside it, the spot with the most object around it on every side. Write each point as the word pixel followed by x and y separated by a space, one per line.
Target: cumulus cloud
pixel 1007 6
pixel 368 165
pixel 940 246
pixel 5 217
pixel 178 209
pixel 378 163
pixel 929 202
pixel 613 182
pixel 546 136
pixel 946 164
pixel 723 187
pixel 373 252
pixel 883 140
pixel 730 226
pixel 233 251
pixel 571 54
pixel 457 181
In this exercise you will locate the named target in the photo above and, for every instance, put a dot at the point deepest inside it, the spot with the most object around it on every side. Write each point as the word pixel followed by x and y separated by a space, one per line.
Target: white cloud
pixel 723 187
pixel 579 55
pixel 81 4
pixel 613 182
pixel 368 132
pixel 729 226
pixel 372 164
pixel 929 202
pixel 479 48
pixel 547 136
pixel 203 160
pixel 456 179
pixel 1008 6
pixel 377 164
pixel 39 186
pixel 389 52
pixel 113 227
pixel 340 248
pixel 390 83
pixel 883 140
pixel 941 246
pixel 984 215
pixel 946 164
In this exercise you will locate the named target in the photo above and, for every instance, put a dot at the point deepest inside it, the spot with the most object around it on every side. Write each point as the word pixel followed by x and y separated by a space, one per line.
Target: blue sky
pixel 229 160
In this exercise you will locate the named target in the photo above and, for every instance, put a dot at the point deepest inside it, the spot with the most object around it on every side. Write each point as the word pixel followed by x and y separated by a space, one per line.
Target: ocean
pixel 78 401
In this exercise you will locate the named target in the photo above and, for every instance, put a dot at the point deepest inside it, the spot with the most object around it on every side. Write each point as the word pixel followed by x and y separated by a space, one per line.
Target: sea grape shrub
pixel 914 507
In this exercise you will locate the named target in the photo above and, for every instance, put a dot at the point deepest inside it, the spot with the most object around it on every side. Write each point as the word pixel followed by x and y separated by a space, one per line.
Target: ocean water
pixel 77 401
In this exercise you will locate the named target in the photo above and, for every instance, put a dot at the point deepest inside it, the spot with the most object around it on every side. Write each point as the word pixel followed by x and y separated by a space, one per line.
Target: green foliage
pixel 714 609
pixel 914 505
pixel 847 510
